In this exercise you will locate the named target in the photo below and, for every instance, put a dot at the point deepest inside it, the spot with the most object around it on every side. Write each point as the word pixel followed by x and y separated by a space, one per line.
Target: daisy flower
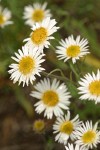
pixel 90 87
pixel 41 34
pixel 72 49
pixel 39 125
pixel 36 13
pixel 87 135
pixel 5 16
pixel 53 97
pixel 64 128
pixel 28 64
pixel 71 147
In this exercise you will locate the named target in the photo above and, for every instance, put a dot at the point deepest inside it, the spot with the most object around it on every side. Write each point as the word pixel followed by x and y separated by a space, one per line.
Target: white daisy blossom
pixel 90 87
pixel 5 16
pixel 36 13
pixel 64 128
pixel 87 135
pixel 41 34
pixel 53 98
pixel 28 64
pixel 71 147
pixel 72 49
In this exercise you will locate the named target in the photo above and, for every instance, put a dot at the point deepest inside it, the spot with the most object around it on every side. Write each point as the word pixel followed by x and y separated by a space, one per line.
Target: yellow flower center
pixel 89 137
pixel 38 125
pixel 39 35
pixel 94 87
pixel 67 127
pixel 26 65
pixel 50 98
pixel 2 19
pixel 38 15
pixel 73 51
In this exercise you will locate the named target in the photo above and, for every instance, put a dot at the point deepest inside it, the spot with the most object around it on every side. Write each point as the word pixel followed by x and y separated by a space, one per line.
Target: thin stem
pixel 65 79
pixel 55 70
pixel 74 70
pixel 54 76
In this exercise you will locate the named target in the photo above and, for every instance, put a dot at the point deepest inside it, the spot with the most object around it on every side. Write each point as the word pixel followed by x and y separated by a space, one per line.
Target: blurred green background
pixel 77 17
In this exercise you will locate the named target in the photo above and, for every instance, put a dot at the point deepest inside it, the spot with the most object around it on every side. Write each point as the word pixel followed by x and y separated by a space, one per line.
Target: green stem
pixel 65 79
pixel 55 70
pixel 54 76
pixel 74 70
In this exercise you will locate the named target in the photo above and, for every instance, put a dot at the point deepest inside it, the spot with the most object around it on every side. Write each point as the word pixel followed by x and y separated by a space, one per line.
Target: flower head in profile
pixel 39 125
pixel 53 98
pixel 27 66
pixel 36 13
pixel 90 87
pixel 41 34
pixel 64 128
pixel 87 135
pixel 5 16
pixel 71 147
pixel 72 49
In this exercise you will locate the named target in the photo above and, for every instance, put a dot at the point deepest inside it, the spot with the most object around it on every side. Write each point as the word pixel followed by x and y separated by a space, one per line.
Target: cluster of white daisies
pixel 54 96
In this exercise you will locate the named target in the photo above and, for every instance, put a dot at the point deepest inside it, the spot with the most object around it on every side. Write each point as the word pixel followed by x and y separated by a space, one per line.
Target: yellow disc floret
pixel 38 15
pixel 39 125
pixel 50 98
pixel 66 127
pixel 39 35
pixel 94 87
pixel 2 19
pixel 89 137
pixel 73 51
pixel 26 65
